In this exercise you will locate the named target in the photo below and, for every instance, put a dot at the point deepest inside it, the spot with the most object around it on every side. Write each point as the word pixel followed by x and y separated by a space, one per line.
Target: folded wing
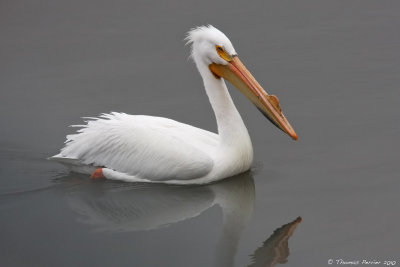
pixel 148 147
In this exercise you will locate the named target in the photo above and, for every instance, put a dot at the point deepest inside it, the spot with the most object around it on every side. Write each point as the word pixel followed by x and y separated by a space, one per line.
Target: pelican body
pixel 141 148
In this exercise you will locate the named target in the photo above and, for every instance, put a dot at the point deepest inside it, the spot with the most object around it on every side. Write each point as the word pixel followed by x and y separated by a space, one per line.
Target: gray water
pixel 335 67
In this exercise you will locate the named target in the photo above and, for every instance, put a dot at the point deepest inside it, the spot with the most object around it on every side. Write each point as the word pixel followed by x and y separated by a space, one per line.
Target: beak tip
pixel 294 136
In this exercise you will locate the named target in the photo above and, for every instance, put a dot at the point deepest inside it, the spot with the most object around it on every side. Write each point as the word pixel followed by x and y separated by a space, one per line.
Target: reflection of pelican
pixel 275 249
pixel 144 148
pixel 117 207
pixel 136 207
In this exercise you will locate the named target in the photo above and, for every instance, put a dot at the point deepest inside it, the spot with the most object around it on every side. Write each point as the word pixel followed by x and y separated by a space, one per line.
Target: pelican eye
pixel 222 53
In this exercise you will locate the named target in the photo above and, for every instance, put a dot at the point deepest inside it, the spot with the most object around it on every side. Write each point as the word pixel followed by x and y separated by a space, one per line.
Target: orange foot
pixel 98 173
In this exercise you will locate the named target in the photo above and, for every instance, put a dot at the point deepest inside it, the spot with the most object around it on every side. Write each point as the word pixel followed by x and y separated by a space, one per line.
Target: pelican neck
pixel 229 122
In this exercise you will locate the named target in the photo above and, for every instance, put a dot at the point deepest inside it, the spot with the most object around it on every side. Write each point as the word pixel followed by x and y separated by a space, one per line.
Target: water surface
pixel 335 68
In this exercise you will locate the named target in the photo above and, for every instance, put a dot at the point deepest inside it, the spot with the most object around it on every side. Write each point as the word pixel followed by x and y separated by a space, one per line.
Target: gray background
pixel 333 64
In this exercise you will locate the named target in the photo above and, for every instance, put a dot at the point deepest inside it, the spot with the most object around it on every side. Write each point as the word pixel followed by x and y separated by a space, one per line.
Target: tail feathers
pixel 74 165
pixel 64 160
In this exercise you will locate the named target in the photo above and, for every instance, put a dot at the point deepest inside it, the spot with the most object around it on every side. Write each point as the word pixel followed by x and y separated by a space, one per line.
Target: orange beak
pixel 237 74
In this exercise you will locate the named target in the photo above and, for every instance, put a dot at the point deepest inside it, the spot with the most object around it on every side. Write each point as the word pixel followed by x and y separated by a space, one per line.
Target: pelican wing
pixel 147 147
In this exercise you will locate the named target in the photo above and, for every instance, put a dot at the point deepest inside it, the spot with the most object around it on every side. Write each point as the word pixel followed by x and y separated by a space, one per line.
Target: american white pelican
pixel 154 149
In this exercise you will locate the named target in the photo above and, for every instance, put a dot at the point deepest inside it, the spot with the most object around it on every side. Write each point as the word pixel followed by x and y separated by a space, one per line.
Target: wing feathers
pixel 148 147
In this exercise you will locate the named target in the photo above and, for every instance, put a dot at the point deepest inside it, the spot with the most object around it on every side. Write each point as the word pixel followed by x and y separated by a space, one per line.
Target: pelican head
pixel 214 54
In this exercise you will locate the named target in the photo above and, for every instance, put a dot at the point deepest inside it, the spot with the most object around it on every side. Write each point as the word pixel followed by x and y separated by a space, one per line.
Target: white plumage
pixel 155 149
pixel 144 146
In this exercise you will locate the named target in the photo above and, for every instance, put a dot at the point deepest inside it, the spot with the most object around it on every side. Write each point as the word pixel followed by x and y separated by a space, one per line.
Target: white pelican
pixel 141 148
